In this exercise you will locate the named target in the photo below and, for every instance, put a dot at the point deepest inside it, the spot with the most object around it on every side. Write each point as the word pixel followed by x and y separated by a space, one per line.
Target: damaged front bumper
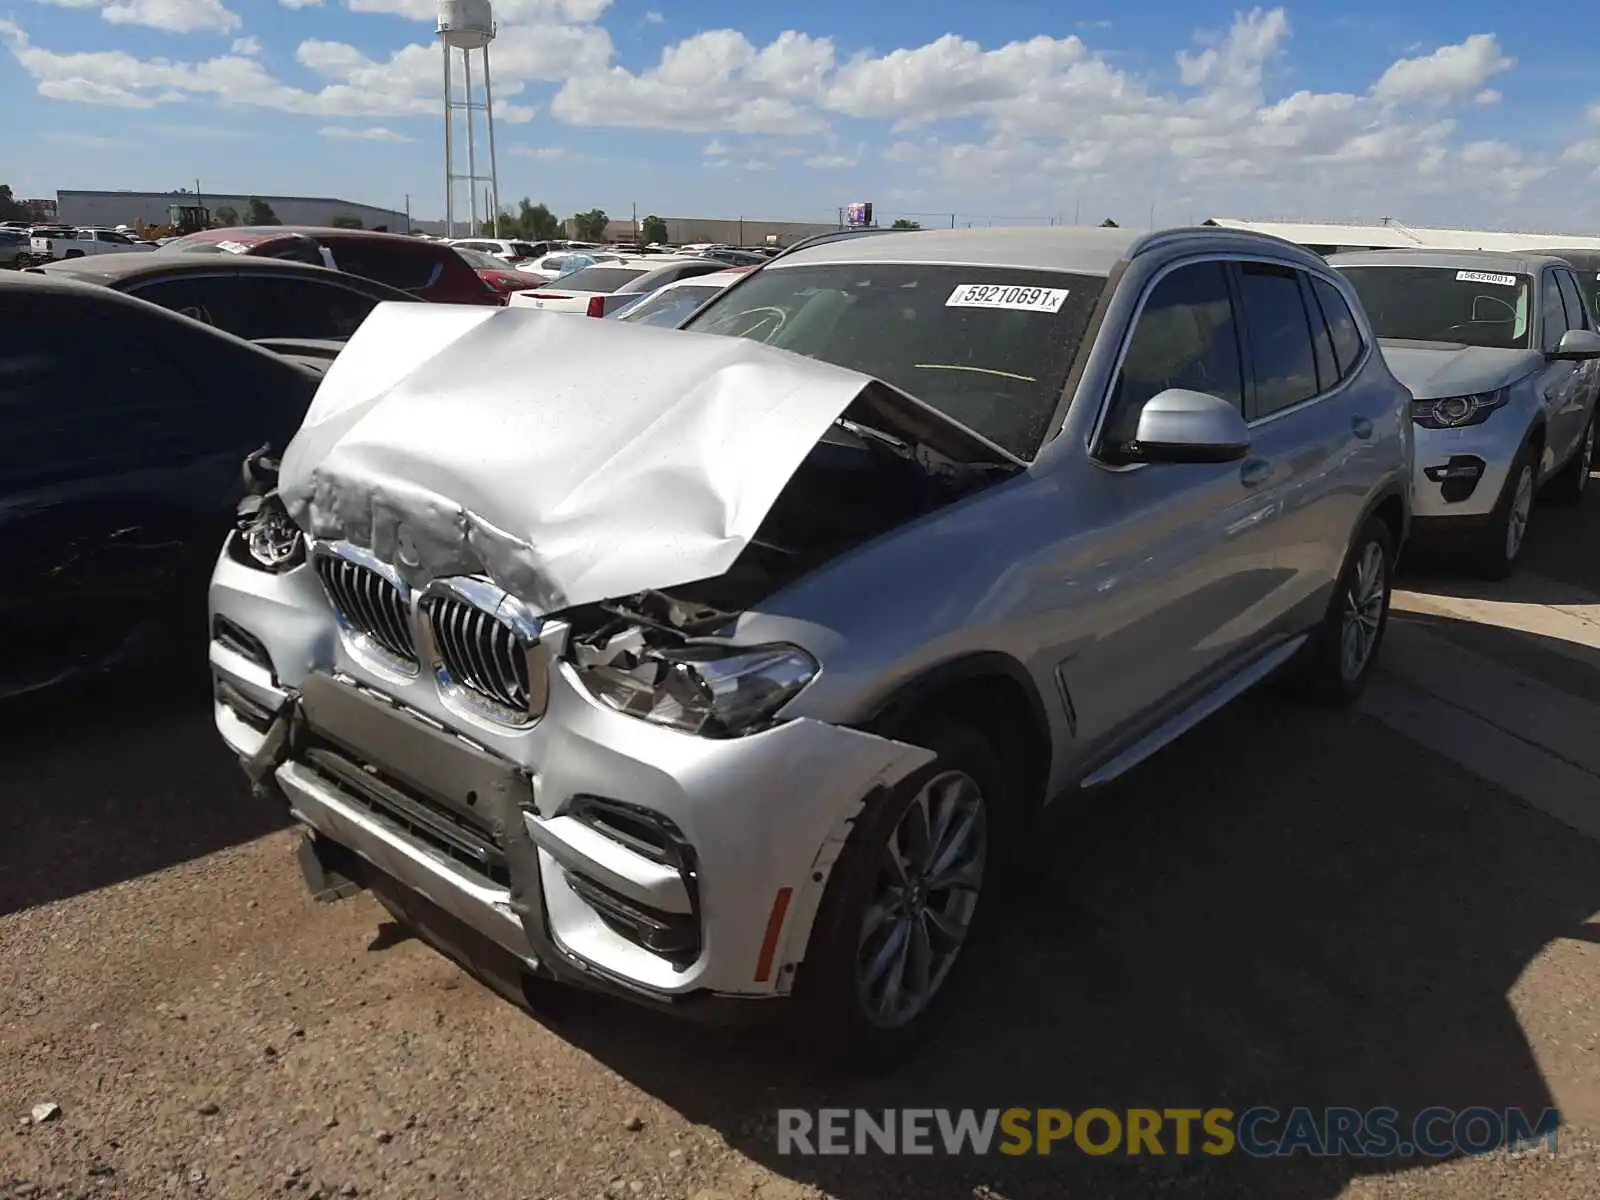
pixel 592 846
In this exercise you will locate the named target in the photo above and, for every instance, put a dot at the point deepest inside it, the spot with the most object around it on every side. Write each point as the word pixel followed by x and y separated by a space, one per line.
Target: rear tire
pixel 73 254
pixel 1569 486
pixel 891 951
pixel 1501 544
pixel 1343 651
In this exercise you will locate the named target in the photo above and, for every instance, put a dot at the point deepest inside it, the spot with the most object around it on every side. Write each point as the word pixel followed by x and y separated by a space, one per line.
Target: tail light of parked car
pixel 597 306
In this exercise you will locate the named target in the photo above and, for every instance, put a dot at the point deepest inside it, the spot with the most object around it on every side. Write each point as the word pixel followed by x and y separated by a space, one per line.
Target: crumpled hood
pixel 569 460
pixel 1435 370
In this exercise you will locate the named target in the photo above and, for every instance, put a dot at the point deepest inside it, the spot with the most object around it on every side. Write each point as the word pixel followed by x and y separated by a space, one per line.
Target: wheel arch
pixel 990 691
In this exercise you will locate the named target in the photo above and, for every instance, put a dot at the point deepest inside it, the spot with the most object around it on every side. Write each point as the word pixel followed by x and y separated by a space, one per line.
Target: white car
pixel 671 304
pixel 606 286
pixel 81 243
pixel 508 250
pixel 564 262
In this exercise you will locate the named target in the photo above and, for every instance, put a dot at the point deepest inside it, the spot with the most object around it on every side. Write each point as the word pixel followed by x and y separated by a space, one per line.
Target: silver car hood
pixel 1435 370
pixel 569 460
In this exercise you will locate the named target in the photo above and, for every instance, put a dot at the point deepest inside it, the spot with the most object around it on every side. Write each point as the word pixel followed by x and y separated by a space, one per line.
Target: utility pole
pixel 952 220
pixel 1077 209
pixel 635 222
pixel 408 213
pixel 1152 214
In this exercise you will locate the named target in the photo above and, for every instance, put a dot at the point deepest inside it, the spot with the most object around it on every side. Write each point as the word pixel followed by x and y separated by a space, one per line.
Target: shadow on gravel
pixel 113 780
pixel 1287 908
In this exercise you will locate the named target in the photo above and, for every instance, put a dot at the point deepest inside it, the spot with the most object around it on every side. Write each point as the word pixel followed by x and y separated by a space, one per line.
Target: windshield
pixel 599 279
pixel 669 306
pixel 1445 304
pixel 523 250
pixel 989 347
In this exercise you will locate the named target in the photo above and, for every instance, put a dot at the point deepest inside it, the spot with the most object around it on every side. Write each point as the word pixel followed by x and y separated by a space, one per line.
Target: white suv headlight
pixel 713 690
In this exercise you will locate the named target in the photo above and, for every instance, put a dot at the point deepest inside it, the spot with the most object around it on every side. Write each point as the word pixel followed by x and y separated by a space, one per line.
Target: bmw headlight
pixel 713 690
pixel 1456 412
pixel 270 540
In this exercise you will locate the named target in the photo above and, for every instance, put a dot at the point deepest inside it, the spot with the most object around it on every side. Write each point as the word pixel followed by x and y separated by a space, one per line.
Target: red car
pixel 427 270
pixel 497 273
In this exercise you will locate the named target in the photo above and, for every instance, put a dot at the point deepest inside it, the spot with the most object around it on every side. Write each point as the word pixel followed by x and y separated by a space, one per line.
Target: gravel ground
pixel 1287 908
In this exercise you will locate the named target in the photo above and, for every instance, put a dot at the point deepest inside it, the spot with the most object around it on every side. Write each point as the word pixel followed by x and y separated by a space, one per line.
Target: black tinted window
pixel 1282 360
pixel 988 346
pixel 1577 318
pixel 1321 338
pixel 1184 337
pixel 1553 321
pixel 1346 334
pixel 600 279
pixel 1445 304
pixel 399 263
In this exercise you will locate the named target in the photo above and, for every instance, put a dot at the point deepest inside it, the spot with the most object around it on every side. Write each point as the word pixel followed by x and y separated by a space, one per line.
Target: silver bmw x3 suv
pixel 1501 354
pixel 719 667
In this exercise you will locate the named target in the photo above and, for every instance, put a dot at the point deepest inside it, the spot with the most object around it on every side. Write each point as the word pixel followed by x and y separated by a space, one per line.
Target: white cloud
pixel 652 17
pixel 90 141
pixel 712 81
pixel 543 153
pixel 248 46
pixel 1449 72
pixel 830 162
pixel 716 148
pixel 1488 96
pixel 376 134
pixel 301 3
pixel 507 12
pixel 173 16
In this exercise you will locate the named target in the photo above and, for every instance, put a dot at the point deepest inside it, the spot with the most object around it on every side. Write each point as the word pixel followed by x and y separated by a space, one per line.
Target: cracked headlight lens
pixel 271 539
pixel 715 691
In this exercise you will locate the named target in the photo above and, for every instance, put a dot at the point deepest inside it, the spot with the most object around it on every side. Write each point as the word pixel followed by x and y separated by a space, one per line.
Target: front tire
pixel 1343 651
pixel 1501 544
pixel 910 905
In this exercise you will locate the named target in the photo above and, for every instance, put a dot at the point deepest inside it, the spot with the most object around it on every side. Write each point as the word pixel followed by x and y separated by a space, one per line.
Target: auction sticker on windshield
pixel 998 295
pixel 1486 277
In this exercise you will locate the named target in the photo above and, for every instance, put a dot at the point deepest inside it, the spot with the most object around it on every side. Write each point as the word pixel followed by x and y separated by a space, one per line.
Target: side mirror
pixel 1180 426
pixel 1577 345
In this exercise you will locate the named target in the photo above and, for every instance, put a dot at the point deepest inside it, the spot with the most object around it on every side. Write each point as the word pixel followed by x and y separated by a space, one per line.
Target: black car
pixel 122 431
pixel 252 298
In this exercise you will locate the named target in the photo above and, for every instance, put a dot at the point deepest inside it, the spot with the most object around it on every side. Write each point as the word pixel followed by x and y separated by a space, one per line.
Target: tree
pixel 225 217
pixel 10 209
pixel 654 229
pixel 590 226
pixel 538 223
pixel 346 221
pixel 1108 223
pixel 902 223
pixel 258 212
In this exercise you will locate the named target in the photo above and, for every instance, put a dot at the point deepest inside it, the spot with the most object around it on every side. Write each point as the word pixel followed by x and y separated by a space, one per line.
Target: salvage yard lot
pixel 1287 908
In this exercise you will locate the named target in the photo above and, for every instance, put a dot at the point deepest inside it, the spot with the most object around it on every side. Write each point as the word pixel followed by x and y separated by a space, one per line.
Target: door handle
pixel 1255 472
pixel 1361 427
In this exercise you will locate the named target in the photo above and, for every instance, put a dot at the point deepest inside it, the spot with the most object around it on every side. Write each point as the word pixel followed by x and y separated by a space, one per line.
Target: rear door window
pixel 215 300
pixel 411 267
pixel 1553 318
pixel 1348 344
pixel 1283 361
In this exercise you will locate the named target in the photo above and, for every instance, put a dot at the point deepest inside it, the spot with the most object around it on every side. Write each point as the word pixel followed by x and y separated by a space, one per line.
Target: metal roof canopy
pixel 1392 235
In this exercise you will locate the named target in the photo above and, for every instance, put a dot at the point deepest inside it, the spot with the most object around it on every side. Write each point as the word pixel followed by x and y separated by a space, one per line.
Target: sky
pixel 1003 112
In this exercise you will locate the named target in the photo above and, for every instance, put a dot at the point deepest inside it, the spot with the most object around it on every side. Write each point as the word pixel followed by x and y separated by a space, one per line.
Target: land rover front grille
pixel 369 604
pixel 479 652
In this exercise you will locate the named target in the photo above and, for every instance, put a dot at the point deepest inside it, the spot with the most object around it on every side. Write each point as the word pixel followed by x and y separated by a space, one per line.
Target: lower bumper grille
pixel 420 818
pixel 369 604
pixel 674 936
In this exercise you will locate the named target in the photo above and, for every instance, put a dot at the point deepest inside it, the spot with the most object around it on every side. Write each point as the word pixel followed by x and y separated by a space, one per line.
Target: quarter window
pixel 1184 337
pixel 1345 333
pixel 1282 359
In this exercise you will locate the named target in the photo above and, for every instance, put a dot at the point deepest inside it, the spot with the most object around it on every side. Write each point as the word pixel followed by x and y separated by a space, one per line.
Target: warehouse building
pixel 131 208
pixel 734 231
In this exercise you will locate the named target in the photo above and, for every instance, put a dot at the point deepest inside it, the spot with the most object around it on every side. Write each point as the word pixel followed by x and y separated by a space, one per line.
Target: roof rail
pixel 820 239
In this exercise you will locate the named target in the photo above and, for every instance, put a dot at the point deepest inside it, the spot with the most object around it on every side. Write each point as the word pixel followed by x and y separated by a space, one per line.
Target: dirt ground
pixel 1286 908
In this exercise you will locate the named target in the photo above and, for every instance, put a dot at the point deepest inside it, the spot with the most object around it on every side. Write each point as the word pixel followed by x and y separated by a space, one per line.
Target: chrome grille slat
pixel 369 604
pixel 479 651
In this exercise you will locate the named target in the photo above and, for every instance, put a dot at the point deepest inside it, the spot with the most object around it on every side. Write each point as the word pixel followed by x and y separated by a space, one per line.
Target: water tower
pixel 468 26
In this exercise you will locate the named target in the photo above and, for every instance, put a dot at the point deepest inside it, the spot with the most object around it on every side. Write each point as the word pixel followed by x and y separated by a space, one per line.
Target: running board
pixel 1186 720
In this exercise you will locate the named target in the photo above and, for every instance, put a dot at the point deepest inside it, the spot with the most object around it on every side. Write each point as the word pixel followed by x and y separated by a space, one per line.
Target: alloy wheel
pixel 1363 612
pixel 923 899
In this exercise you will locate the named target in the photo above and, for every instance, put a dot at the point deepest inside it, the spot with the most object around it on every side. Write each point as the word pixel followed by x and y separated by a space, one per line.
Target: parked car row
pixel 735 676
